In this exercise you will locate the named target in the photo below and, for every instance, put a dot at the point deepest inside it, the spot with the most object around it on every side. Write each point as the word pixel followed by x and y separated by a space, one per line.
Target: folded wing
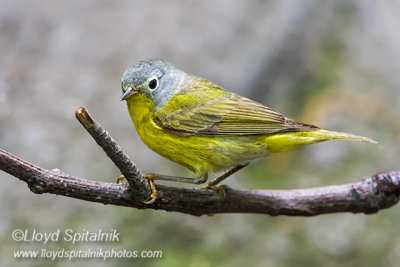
pixel 210 110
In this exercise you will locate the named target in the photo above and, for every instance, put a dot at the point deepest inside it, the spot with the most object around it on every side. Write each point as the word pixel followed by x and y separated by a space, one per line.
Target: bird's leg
pixel 212 185
pixel 219 179
pixel 152 176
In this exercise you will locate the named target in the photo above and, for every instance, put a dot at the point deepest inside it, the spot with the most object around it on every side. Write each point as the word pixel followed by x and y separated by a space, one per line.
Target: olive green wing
pixel 250 117
pixel 213 111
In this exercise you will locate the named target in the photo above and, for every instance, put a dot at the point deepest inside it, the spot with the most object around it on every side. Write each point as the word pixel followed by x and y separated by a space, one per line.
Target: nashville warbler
pixel 200 125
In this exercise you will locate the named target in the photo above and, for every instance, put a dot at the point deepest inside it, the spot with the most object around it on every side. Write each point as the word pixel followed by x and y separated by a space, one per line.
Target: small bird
pixel 200 125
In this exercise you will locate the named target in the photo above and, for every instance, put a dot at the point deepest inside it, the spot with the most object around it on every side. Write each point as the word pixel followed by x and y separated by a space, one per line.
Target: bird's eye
pixel 153 83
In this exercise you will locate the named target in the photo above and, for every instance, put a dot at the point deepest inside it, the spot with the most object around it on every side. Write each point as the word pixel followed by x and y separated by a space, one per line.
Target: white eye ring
pixel 153 83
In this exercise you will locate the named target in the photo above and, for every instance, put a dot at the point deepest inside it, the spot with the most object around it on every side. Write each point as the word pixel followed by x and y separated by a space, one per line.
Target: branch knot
pixel 388 183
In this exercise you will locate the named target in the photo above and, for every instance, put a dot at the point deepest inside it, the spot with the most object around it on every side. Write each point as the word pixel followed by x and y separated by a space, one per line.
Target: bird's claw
pixel 219 189
pixel 153 195
pixel 120 179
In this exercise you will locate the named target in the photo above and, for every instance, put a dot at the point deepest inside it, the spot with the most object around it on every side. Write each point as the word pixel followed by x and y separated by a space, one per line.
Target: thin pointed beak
pixel 129 92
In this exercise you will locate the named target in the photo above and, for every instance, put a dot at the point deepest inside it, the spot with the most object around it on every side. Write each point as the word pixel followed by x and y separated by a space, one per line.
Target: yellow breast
pixel 200 154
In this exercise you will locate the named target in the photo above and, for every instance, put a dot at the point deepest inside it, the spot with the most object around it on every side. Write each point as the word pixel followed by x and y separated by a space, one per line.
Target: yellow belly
pixel 200 154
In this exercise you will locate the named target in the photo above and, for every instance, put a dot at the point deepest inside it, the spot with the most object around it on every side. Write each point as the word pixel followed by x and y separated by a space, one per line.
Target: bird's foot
pixel 153 195
pixel 120 179
pixel 219 189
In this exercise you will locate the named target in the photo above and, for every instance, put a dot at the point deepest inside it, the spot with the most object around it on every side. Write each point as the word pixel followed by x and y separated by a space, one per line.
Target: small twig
pixel 368 196
pixel 136 181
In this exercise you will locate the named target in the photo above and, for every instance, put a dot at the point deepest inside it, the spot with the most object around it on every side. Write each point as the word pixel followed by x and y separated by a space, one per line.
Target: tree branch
pixel 368 196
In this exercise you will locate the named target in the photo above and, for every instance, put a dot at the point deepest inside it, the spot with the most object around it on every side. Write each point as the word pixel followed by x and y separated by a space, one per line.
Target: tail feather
pixel 328 135
pixel 285 141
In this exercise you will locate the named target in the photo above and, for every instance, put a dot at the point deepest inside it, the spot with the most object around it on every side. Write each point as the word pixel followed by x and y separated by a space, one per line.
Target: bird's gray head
pixel 157 79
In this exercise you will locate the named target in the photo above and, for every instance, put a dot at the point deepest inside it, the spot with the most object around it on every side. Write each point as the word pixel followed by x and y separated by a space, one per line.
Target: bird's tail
pixel 285 141
pixel 324 135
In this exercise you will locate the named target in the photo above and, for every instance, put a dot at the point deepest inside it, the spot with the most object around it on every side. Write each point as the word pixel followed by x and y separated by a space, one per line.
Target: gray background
pixel 331 63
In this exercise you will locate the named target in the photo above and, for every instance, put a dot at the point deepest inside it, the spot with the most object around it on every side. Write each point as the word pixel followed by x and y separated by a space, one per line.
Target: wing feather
pixel 211 110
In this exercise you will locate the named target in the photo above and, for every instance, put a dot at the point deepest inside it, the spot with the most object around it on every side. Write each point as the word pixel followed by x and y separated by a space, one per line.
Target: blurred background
pixel 334 64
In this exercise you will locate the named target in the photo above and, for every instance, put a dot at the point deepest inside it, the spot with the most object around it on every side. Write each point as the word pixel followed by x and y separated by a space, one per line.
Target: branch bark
pixel 367 196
